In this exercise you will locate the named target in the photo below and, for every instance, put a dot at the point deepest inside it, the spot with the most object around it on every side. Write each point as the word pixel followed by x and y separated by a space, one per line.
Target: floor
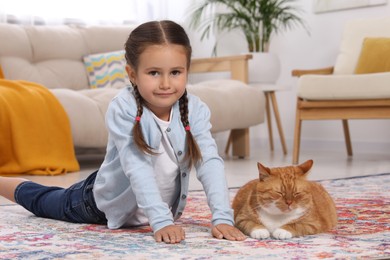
pixel 330 162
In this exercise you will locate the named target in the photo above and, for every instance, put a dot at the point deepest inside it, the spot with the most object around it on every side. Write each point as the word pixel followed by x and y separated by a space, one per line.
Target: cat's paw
pixel 280 233
pixel 260 233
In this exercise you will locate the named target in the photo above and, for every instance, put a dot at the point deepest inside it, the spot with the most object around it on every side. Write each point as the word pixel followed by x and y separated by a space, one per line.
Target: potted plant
pixel 257 19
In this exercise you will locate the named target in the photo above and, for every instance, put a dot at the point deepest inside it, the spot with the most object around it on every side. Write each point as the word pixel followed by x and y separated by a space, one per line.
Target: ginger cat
pixel 282 203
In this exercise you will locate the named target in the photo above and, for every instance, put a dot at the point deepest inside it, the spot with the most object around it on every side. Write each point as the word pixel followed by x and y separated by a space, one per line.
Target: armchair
pixel 357 87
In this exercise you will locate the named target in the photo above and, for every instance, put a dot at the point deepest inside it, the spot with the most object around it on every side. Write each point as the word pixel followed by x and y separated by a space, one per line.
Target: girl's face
pixel 161 77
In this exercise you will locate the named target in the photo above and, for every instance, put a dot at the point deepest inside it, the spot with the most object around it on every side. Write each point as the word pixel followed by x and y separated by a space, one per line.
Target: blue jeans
pixel 74 204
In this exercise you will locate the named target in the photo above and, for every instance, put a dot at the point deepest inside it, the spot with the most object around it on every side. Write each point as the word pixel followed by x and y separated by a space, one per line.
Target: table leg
pixel 269 122
pixel 278 121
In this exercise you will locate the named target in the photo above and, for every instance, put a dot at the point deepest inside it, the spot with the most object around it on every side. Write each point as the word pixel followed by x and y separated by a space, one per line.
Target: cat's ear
pixel 306 166
pixel 264 172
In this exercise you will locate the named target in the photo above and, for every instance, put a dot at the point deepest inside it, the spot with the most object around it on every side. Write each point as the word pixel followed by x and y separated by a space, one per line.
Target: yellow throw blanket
pixel 35 133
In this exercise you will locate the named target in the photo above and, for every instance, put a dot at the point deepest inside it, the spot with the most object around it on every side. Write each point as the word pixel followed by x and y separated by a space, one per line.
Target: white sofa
pixel 53 57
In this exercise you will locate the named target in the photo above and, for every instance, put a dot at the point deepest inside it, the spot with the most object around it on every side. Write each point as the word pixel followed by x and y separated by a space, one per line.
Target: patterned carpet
pixel 363 232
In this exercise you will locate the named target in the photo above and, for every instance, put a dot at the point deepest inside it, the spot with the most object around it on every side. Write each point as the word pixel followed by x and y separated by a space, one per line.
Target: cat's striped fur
pixel 282 204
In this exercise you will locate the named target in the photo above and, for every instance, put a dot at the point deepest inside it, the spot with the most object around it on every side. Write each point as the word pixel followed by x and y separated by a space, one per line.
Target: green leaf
pixel 257 19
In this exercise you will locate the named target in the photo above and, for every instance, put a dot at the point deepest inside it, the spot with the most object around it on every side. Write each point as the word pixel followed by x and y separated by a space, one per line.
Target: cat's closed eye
pixel 280 193
pixel 297 194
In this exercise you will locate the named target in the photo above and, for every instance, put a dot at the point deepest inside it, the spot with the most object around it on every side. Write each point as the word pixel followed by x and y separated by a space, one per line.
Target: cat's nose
pixel 288 202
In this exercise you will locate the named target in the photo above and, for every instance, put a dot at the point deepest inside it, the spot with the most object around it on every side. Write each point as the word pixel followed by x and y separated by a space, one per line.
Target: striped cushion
pixel 106 70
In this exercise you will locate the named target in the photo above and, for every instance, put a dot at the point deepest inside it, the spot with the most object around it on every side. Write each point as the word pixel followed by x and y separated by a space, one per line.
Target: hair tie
pixel 187 128
pixel 138 118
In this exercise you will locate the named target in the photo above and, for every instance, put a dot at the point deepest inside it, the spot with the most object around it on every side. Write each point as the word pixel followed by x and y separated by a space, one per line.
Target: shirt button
pixel 183 196
pixel 183 174
pixel 179 153
pixel 168 129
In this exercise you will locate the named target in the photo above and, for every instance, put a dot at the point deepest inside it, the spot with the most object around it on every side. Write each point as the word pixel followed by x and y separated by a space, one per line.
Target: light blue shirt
pixel 126 179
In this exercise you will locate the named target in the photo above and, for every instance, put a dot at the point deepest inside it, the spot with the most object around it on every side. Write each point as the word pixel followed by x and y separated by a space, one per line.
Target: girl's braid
pixel 139 101
pixel 137 131
pixel 193 154
pixel 183 103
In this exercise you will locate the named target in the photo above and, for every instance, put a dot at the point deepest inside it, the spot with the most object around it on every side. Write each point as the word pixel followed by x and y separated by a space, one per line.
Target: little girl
pixel 157 132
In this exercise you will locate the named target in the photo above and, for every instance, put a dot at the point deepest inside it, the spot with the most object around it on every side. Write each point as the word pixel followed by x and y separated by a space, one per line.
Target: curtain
pixel 54 12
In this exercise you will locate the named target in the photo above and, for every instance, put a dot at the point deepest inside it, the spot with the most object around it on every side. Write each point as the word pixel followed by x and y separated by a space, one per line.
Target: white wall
pixel 298 50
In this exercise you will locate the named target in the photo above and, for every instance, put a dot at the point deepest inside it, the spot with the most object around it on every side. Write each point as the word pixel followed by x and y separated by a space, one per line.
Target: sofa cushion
pixel 14 42
pixel 234 105
pixel 106 70
pixel 86 110
pixel 351 44
pixel 332 87
pixel 106 38
pixel 44 40
pixel 53 55
pixel 375 56
pixel 52 74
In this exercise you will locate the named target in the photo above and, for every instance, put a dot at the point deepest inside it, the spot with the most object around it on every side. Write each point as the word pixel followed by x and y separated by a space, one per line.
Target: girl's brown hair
pixel 159 33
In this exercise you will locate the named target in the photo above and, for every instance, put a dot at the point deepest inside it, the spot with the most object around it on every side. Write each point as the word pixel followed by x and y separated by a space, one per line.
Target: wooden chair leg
pixel 269 122
pixel 278 122
pixel 347 137
pixel 229 142
pixel 297 136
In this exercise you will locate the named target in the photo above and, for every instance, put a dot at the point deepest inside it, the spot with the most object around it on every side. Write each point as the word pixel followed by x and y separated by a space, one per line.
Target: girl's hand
pixel 170 234
pixel 227 231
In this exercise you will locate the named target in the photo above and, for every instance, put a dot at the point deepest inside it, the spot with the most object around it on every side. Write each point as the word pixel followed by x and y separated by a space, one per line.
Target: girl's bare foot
pixel 8 186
